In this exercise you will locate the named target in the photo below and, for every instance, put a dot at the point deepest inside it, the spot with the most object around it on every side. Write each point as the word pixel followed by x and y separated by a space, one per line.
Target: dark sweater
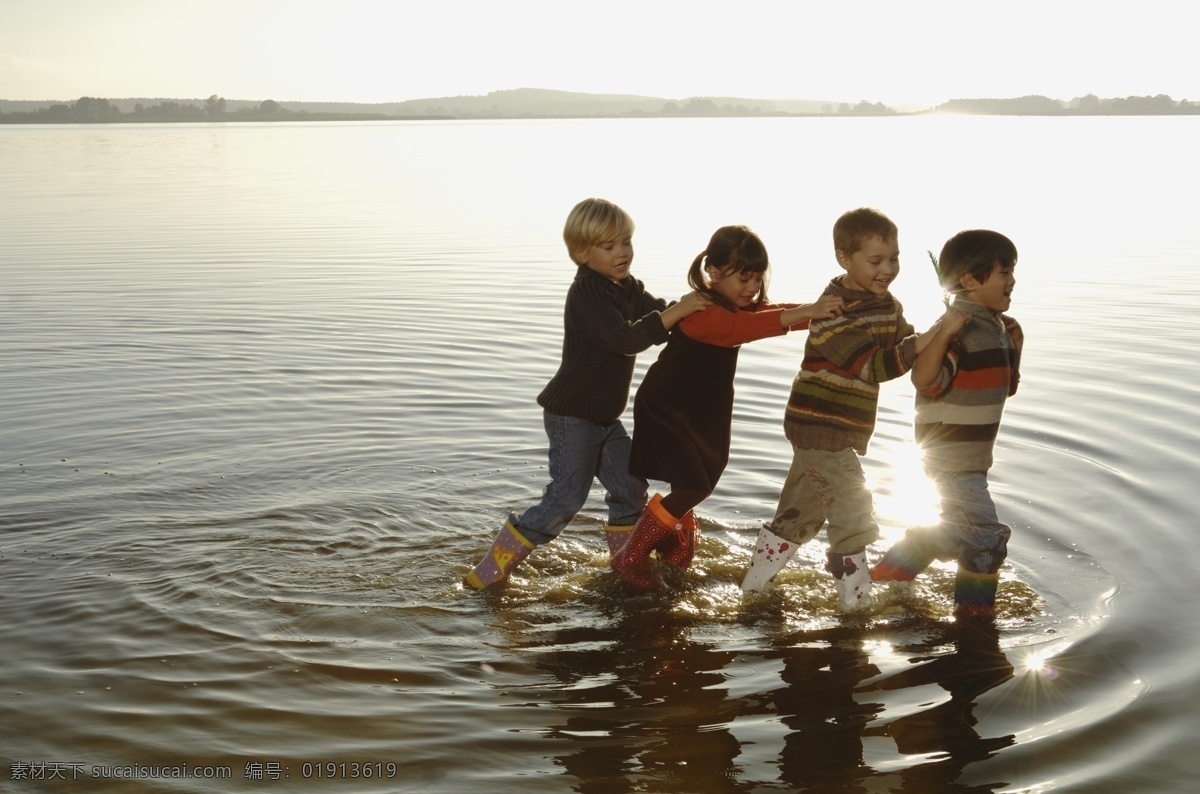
pixel 683 412
pixel 605 326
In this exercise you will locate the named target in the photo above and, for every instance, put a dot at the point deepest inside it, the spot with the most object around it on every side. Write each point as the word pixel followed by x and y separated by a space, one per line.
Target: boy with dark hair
pixel 963 378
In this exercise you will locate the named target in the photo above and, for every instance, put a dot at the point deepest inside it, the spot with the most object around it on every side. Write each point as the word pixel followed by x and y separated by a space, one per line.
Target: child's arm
pixel 726 328
pixel 932 346
pixel 850 344
pixel 826 307
pixel 600 315
pixel 688 304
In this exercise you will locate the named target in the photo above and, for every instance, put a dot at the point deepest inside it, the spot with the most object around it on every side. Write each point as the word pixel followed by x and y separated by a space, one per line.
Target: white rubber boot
pixel 852 577
pixel 771 555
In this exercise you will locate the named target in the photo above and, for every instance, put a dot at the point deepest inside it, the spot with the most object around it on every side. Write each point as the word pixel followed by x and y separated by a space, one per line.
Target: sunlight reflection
pixel 910 498
pixel 1038 662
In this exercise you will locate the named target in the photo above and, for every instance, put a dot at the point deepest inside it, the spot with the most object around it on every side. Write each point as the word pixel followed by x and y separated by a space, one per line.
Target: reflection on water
pixel 269 391
pixel 946 732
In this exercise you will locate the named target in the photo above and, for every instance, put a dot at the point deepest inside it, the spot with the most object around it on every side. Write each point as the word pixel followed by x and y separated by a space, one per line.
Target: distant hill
pixel 546 103
pixel 1035 105
pixel 515 103
pixel 540 102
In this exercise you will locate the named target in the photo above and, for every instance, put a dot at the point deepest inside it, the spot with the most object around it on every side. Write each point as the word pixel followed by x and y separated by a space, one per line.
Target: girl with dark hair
pixel 683 410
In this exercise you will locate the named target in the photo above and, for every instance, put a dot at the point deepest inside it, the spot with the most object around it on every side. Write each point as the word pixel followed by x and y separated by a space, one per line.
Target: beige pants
pixel 826 486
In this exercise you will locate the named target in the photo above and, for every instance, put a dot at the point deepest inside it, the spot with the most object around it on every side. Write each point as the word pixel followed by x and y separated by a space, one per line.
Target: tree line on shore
pixel 86 110
pixel 537 103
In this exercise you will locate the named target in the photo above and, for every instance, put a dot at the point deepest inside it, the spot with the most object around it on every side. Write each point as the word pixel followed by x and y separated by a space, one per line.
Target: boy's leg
pixel 508 549
pixel 852 526
pixel 624 493
pixel 915 552
pixel 983 544
pixel 572 462
pixel 798 517
pixel 920 546
pixel 575 448
pixel 982 538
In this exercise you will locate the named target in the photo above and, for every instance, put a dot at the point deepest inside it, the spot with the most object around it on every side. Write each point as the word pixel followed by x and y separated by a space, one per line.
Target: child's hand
pixel 951 322
pixel 694 302
pixel 826 307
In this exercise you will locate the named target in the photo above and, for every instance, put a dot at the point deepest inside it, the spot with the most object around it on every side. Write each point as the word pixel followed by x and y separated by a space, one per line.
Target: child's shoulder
pixel 1012 327
pixel 591 287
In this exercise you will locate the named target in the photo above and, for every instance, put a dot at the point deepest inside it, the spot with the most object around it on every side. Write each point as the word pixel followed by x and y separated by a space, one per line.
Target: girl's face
pixel 740 287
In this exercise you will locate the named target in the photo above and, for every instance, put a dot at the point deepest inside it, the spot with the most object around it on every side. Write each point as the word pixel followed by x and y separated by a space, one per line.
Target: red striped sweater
pixel 958 415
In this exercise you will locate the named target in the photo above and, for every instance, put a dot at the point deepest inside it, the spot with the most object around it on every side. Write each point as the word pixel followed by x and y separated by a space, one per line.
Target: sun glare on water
pixel 909 498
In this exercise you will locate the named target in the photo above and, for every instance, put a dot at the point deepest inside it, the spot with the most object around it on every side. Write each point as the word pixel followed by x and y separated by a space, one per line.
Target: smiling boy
pixel 963 378
pixel 831 411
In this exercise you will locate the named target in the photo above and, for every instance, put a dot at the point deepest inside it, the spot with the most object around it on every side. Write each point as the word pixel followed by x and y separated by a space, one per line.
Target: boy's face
pixel 873 267
pixel 994 292
pixel 610 259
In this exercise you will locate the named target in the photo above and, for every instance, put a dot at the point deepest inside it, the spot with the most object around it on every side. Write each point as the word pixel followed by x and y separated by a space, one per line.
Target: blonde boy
pixel 609 318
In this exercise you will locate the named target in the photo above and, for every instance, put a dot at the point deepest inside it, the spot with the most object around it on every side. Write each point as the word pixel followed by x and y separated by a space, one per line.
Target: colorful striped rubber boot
pixel 901 563
pixel 771 555
pixel 679 548
pixel 975 593
pixel 633 560
pixel 852 578
pixel 617 535
pixel 508 550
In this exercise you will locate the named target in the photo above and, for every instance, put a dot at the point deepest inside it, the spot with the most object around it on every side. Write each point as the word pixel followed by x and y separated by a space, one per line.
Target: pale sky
pixel 920 52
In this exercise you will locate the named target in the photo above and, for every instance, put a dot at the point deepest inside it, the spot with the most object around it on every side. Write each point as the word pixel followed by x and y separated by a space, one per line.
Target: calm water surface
pixel 268 391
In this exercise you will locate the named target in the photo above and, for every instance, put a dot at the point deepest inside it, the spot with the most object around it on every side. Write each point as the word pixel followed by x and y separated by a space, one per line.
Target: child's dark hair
pixel 732 249
pixel 974 252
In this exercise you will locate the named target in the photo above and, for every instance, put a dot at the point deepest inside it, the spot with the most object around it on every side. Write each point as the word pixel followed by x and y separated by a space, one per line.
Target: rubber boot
pixel 617 535
pixel 633 560
pixel 901 563
pixel 508 550
pixel 679 548
pixel 771 555
pixel 975 594
pixel 852 578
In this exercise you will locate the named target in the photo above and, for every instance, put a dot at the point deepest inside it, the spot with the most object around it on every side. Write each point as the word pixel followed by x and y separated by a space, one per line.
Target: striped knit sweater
pixel 836 393
pixel 958 415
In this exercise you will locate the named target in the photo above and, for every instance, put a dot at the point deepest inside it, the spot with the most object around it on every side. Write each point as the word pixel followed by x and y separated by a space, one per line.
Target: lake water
pixel 268 392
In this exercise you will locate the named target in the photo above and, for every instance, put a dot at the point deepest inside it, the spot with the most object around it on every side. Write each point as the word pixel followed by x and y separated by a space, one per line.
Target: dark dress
pixel 683 410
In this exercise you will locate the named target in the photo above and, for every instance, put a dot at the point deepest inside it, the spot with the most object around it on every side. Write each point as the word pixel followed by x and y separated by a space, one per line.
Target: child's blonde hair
pixel 857 226
pixel 593 221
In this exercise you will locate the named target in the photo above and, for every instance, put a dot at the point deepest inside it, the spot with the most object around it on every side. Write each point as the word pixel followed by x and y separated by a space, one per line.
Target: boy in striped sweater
pixel 831 411
pixel 963 378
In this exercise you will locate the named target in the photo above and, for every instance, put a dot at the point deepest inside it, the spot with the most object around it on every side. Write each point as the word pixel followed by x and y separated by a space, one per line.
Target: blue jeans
pixel 580 452
pixel 970 531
